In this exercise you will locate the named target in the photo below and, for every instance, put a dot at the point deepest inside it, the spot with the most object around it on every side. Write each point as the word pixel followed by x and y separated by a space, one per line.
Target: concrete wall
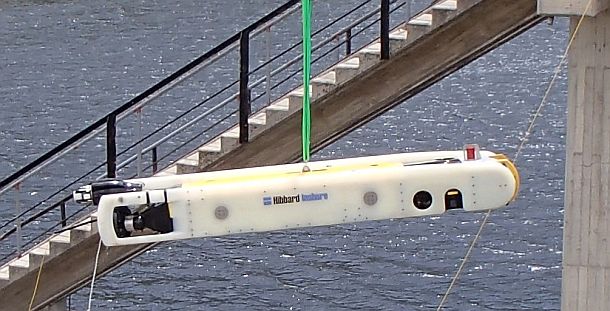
pixel 586 258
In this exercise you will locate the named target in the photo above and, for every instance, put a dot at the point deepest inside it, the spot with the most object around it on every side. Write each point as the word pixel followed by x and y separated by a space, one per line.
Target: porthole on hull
pixel 422 200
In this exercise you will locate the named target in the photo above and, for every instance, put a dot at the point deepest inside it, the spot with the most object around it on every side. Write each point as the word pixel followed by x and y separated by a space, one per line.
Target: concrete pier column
pixel 586 249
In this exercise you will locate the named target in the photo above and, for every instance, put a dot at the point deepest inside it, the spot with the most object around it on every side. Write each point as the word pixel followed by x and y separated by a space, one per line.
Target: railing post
pixel 18 211
pixel 348 42
pixel 385 29
pixel 139 156
pixel 111 146
pixel 154 160
pixel 244 98
pixel 268 77
pixel 62 211
pixel 337 40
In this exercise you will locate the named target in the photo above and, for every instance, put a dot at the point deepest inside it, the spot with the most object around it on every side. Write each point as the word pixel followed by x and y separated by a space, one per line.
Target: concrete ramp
pixel 430 46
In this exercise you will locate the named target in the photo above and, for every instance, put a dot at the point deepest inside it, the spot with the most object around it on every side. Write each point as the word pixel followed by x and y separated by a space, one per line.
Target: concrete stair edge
pixel 442 12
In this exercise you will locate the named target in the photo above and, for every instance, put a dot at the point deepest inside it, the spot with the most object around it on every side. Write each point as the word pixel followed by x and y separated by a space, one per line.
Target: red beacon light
pixel 471 152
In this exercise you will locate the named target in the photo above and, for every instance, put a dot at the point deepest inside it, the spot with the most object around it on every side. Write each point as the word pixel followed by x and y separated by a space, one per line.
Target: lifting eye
pixel 422 200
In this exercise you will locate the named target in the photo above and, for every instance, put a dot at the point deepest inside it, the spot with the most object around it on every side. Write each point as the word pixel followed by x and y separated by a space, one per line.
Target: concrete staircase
pixel 327 82
pixel 429 46
pixel 52 247
pixel 21 269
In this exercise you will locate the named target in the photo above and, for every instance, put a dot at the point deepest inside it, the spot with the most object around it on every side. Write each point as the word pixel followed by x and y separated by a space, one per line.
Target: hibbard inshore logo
pixel 287 199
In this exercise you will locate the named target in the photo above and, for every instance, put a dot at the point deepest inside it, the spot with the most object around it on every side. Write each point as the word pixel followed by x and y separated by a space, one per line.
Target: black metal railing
pixel 191 122
pixel 16 177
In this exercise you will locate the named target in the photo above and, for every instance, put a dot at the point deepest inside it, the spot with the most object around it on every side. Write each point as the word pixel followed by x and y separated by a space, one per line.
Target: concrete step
pixel 59 243
pixel 298 92
pixel 43 249
pixel 446 5
pixel 424 19
pixel 36 260
pixel 398 39
pixel 443 12
pixel 188 165
pixel 282 108
pixel 418 26
pixel 209 153
pixel 78 236
pixel 398 34
pixel 229 140
pixel 18 267
pixel 346 70
pixel 81 232
pixel 4 276
pixel 323 84
pixel 369 56
pixel 257 123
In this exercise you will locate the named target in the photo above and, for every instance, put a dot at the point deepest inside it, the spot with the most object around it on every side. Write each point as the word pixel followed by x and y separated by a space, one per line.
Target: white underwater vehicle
pixel 278 197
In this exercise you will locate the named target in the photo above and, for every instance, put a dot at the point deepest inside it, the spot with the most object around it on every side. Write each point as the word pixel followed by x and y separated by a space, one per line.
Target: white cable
pixel 97 257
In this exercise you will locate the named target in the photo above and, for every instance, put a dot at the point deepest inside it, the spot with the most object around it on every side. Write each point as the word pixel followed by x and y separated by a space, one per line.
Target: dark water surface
pixel 65 63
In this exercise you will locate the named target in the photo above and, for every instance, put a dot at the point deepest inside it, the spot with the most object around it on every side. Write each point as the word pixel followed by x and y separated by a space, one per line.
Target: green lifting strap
pixel 306 123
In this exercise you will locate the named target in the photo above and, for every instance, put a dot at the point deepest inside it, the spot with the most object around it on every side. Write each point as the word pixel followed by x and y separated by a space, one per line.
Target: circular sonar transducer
pixel 156 218
pixel 118 221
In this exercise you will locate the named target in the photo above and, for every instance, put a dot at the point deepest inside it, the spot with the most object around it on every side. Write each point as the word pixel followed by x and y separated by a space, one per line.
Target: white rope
pixel 97 257
pixel 521 145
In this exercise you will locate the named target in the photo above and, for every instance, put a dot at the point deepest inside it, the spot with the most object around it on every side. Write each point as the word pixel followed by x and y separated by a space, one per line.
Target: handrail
pixel 255 83
pixel 261 80
pixel 47 158
pixel 180 129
